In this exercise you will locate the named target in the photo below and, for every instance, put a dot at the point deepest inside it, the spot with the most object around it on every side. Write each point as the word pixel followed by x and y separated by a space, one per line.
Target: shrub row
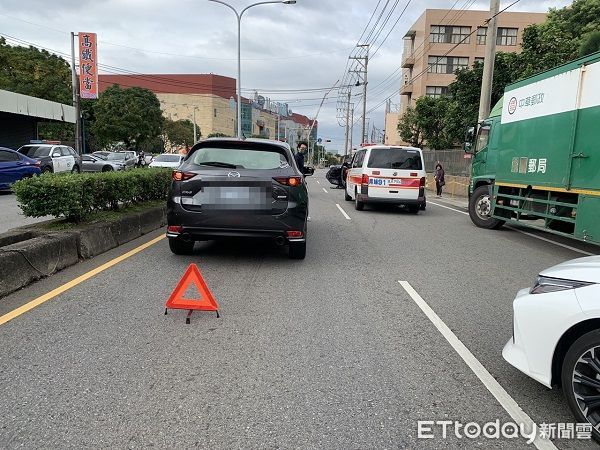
pixel 75 196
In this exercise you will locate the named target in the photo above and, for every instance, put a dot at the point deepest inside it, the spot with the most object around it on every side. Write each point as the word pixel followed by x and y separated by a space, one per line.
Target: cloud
pixel 299 46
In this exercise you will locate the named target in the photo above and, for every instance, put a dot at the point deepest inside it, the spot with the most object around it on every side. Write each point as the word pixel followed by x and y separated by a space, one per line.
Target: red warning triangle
pixel 206 302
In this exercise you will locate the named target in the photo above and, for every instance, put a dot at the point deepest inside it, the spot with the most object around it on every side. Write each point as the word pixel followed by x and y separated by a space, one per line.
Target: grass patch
pixel 100 216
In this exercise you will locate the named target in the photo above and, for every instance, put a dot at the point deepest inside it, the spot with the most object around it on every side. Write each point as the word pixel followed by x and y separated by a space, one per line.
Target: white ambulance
pixel 387 174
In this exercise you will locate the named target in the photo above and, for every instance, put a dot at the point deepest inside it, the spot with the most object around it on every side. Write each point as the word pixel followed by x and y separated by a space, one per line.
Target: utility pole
pixel 362 72
pixel 488 63
pixel 76 103
pixel 347 122
pixel 195 134
pixel 351 125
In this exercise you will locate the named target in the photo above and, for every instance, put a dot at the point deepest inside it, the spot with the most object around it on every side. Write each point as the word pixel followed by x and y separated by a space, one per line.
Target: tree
pixel 131 116
pixel 38 73
pixel 179 132
pixel 463 109
pixel 590 43
pixel 409 129
pixel 558 39
pixel 430 114
pixel 34 72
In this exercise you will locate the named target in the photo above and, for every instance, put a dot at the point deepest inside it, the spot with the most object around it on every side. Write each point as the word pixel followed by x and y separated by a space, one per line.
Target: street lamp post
pixel 239 59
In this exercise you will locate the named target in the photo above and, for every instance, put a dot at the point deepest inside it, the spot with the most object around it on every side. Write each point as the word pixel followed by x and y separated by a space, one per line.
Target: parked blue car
pixel 15 166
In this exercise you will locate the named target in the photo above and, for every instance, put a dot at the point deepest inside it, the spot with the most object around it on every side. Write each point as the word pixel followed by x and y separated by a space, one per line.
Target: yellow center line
pixel 80 279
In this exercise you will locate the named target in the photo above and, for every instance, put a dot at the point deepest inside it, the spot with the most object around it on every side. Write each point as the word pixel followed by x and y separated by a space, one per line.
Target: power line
pixel 165 80
pixel 392 29
pixel 179 55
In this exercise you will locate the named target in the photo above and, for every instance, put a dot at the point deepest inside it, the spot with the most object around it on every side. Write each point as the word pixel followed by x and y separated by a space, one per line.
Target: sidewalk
pixel 455 200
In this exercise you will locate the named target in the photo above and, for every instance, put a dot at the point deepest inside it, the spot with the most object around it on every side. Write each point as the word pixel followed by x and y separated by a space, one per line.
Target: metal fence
pixel 453 161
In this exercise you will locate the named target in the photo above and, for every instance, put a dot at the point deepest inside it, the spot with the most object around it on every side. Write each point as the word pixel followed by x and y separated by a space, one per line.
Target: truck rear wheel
pixel 480 208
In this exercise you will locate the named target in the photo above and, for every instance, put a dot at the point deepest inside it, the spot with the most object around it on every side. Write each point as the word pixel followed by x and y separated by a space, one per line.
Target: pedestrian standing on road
pixel 440 180
pixel 300 156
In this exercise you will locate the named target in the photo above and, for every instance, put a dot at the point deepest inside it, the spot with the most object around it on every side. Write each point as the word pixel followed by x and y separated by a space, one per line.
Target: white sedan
pixel 172 160
pixel 556 334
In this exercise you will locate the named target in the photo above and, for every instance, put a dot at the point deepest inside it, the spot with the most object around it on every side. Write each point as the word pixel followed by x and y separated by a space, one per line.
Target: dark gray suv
pixel 238 188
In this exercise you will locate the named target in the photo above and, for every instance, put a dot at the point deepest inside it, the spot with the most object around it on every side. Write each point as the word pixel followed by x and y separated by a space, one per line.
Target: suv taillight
pixel 182 176
pixel 289 181
pixel 365 179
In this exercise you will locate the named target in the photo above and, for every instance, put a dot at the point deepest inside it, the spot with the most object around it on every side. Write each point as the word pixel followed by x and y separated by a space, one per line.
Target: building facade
pixel 430 60
pixel 210 100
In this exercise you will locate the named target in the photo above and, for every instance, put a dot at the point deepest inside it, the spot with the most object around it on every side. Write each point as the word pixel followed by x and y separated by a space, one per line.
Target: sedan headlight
pixel 544 285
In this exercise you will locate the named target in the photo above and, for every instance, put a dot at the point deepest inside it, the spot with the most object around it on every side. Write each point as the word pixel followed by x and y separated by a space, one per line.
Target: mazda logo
pixel 395 173
pixel 233 175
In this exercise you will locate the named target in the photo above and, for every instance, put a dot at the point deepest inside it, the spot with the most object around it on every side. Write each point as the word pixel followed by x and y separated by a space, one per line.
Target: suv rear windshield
pixel 395 158
pixel 35 151
pixel 253 158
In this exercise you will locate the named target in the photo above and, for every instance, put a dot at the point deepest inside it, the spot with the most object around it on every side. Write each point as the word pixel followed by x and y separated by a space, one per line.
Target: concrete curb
pixel 29 254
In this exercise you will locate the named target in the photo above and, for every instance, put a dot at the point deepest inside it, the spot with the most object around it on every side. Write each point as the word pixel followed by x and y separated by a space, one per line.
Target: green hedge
pixel 75 196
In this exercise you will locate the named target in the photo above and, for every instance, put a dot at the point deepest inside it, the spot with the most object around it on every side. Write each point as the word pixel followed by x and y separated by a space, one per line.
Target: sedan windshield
pixel 167 158
pixel 240 158
pixel 116 157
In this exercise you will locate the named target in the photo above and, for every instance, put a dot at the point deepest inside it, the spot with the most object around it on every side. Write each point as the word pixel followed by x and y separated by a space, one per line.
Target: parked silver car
pixel 98 163
pixel 120 157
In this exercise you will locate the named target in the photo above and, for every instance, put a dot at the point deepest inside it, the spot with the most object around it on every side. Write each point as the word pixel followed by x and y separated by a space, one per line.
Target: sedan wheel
pixel 581 379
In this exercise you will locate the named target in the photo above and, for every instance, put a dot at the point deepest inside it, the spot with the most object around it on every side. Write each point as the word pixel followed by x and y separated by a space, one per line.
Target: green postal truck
pixel 536 159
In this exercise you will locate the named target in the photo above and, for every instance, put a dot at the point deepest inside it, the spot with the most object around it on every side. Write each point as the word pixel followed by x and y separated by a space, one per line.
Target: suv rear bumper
pixel 391 201
pixel 226 224
pixel 198 233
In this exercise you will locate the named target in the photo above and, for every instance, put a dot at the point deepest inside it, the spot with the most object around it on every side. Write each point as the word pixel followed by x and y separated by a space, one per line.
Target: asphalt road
pixel 11 216
pixel 329 352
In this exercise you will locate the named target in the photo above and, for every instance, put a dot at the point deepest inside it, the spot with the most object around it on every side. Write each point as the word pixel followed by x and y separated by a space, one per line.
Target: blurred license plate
pixel 385 181
pixel 231 197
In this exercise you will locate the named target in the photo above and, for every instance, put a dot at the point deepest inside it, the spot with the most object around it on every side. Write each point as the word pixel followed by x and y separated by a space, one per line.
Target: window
pixel 64 151
pixel 506 36
pixel 8 156
pixel 481 34
pixel 446 64
pixel 359 158
pixel 240 158
pixel 436 91
pixel 35 151
pixel 479 60
pixel 449 34
pixel 168 158
pixel 215 112
pixel 395 158
pixel 483 137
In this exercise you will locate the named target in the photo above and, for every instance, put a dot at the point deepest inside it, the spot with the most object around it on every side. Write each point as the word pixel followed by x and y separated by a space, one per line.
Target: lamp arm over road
pixel 239 51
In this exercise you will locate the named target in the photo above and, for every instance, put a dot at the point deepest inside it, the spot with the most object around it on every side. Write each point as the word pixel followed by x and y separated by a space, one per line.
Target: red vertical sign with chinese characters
pixel 88 65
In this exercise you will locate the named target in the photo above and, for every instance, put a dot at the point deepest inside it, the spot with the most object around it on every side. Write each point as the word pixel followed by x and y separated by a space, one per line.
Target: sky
pixel 290 53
